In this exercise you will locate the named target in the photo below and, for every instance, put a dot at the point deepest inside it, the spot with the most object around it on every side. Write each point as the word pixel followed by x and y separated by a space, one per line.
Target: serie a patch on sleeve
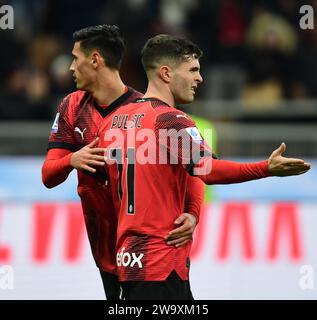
pixel 55 124
pixel 194 133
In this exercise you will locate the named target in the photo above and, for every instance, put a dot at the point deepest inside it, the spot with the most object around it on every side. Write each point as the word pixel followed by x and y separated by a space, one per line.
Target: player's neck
pixel 108 88
pixel 160 92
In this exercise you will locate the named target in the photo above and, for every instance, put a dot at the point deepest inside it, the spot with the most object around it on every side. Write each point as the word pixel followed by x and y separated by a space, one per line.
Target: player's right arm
pixel 60 162
pixel 62 156
pixel 56 167
pixel 61 145
pixel 187 221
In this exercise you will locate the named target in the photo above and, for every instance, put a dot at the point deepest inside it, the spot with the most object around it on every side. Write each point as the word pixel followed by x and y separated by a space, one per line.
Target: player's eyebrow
pixel 194 69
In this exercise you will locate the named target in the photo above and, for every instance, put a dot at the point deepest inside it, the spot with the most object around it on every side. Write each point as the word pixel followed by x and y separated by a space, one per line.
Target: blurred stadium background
pixel 255 240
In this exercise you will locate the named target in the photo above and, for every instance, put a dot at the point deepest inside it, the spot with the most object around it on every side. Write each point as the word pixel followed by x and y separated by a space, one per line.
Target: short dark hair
pixel 106 39
pixel 165 46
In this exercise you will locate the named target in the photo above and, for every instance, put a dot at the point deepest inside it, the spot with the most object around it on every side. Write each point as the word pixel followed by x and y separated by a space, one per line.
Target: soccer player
pixel 97 55
pixel 152 149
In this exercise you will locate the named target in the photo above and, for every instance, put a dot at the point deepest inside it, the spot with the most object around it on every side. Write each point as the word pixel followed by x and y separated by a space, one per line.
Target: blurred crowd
pixel 254 50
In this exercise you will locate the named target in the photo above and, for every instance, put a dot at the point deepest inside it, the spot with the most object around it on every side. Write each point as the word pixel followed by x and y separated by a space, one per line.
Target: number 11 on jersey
pixel 126 165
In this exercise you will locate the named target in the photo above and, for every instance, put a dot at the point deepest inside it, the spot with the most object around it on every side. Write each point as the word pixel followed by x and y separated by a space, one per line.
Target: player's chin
pixel 79 86
pixel 188 99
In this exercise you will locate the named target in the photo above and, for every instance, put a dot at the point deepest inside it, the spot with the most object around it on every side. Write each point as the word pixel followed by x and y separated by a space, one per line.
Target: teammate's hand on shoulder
pixel 282 166
pixel 88 157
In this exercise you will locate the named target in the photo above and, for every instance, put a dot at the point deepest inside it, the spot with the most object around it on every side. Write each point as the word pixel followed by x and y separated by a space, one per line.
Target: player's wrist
pixel 70 161
pixel 194 217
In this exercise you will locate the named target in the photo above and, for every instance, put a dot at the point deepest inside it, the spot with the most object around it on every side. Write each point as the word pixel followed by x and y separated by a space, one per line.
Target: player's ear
pixel 165 73
pixel 95 59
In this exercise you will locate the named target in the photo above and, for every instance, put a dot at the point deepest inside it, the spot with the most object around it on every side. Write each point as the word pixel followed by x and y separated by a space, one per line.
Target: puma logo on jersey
pixel 80 132
pixel 181 116
pixel 127 259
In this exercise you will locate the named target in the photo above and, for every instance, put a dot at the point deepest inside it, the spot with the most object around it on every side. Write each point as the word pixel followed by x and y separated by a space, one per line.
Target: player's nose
pixel 71 67
pixel 199 78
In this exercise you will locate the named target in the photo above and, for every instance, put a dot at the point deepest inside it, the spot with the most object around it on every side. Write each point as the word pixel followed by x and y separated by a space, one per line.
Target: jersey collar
pixel 115 104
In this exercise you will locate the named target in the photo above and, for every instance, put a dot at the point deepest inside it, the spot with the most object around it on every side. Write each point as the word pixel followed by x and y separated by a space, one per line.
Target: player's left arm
pixel 213 171
pixel 196 156
pixel 187 221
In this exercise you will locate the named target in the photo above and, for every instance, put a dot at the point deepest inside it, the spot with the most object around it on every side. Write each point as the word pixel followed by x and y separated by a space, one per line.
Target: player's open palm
pixel 282 166
pixel 88 157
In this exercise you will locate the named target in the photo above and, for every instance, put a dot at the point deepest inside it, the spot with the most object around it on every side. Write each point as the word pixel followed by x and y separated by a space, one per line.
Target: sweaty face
pixel 185 80
pixel 82 68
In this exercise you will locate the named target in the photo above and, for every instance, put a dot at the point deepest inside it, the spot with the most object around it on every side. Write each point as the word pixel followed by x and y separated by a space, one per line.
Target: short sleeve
pixel 180 142
pixel 62 133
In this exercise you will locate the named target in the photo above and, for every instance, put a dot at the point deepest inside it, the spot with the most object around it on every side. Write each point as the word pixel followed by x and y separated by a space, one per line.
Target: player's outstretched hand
pixel 88 157
pixel 281 166
pixel 184 233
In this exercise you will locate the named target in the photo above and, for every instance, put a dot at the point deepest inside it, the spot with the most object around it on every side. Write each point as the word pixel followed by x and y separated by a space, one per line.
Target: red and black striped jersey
pixel 76 124
pixel 150 149
pixel 148 177
pixel 79 117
